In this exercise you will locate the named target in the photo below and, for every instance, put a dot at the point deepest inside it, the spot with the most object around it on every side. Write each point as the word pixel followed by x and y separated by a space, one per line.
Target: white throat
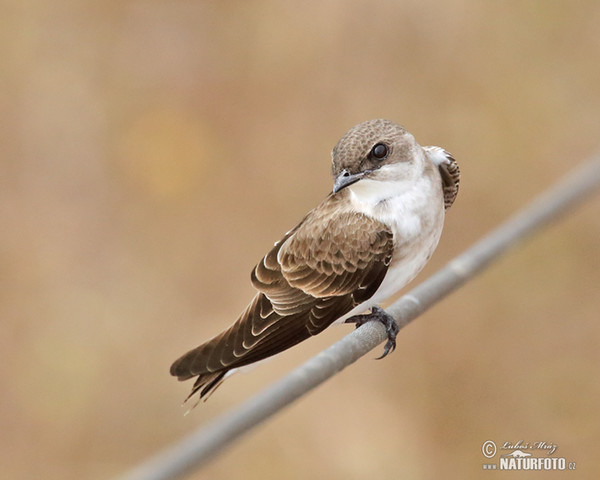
pixel 403 205
pixel 414 211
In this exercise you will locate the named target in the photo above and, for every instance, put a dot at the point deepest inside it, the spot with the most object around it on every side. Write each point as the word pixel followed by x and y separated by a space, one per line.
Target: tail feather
pixel 208 383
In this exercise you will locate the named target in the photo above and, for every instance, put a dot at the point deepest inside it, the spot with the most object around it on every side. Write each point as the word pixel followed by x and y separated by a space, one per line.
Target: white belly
pixel 416 217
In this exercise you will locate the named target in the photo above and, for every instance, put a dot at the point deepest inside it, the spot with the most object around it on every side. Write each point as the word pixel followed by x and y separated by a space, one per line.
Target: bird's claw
pixel 391 327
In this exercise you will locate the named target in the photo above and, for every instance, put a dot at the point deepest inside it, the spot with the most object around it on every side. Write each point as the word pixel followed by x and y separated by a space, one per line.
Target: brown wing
pixel 332 261
pixel 450 179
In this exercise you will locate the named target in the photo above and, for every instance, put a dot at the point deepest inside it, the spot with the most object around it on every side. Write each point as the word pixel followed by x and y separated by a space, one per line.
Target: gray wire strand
pixel 196 449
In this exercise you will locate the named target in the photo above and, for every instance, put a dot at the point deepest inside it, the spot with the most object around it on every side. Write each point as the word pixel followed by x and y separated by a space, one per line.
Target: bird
pixel 366 240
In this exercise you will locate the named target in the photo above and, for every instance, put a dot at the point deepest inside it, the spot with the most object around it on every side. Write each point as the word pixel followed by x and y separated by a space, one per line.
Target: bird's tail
pixel 207 384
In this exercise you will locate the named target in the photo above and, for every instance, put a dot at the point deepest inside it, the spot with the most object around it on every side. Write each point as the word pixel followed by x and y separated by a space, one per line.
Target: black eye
pixel 379 151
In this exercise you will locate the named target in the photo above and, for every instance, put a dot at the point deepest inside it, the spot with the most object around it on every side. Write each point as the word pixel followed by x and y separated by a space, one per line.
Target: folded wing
pixel 331 262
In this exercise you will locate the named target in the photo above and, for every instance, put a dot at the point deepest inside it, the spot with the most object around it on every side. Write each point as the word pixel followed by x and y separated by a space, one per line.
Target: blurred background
pixel 151 152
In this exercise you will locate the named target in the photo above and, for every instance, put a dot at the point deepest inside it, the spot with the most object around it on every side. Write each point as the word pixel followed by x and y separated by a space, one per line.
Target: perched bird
pixel 361 245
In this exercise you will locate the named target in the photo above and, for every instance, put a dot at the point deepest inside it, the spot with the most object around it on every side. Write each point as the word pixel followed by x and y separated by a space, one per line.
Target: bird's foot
pixel 391 327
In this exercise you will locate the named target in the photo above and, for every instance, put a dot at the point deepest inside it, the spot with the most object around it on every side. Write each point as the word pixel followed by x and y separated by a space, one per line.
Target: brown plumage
pixel 308 280
pixel 450 179
pixel 386 214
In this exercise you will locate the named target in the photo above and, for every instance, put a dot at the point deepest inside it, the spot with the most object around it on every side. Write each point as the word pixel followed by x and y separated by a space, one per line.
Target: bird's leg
pixel 391 327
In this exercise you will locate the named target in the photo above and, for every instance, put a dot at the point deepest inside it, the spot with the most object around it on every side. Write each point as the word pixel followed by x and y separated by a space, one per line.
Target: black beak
pixel 346 178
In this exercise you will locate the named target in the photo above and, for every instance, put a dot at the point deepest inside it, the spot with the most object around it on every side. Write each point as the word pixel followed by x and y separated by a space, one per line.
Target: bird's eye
pixel 379 151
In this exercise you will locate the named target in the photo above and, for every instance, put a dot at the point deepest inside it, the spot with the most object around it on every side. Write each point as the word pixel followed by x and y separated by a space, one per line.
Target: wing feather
pixel 331 262
pixel 449 172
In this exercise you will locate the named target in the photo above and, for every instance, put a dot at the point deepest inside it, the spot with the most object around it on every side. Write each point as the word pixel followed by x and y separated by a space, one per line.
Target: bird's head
pixel 376 149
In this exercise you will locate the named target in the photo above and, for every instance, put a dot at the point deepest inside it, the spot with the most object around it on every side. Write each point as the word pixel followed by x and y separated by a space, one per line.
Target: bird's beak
pixel 346 178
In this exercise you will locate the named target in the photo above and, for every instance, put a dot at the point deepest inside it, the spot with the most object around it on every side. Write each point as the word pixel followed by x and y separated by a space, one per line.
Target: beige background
pixel 151 152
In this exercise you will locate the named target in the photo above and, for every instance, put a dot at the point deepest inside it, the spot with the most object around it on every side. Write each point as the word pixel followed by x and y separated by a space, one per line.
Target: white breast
pixel 415 212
